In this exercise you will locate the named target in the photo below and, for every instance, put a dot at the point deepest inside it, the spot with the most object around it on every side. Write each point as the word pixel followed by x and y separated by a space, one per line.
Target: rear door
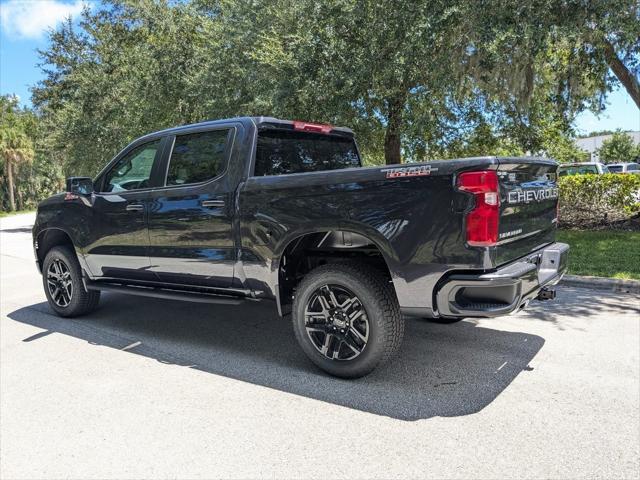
pixel 528 206
pixel 190 216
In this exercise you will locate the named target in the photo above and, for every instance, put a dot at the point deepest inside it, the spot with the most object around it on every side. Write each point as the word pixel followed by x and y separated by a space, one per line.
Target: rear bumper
pixel 507 289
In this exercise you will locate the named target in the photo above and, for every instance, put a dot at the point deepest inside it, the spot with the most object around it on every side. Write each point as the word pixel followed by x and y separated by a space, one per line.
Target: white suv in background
pixel 624 168
pixel 582 168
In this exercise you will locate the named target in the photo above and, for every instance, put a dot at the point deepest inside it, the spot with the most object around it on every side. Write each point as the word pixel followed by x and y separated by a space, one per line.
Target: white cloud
pixel 32 18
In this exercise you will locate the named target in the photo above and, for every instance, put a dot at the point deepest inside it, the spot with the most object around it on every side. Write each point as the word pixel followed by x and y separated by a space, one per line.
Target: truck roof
pixel 257 121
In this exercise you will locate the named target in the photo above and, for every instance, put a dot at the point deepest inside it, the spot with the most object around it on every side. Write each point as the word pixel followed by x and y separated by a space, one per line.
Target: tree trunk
pixel 627 78
pixel 20 203
pixel 392 147
pixel 12 200
pixel 392 134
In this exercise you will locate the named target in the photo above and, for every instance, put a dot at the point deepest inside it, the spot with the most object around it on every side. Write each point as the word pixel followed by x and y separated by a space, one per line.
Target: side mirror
pixel 80 185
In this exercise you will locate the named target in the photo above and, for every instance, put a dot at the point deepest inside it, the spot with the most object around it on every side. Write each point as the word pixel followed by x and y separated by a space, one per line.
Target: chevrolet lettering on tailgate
pixel 528 196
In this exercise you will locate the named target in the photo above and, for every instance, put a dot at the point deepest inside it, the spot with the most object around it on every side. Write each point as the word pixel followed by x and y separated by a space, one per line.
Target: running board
pixel 156 292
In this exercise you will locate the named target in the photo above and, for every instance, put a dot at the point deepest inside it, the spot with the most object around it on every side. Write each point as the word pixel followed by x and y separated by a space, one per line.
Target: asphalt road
pixel 147 388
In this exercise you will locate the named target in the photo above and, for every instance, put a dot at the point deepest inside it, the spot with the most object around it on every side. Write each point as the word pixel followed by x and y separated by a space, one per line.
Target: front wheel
pixel 62 278
pixel 346 319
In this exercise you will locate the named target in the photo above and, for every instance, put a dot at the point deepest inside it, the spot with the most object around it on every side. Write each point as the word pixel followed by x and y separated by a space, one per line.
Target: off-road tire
pixel 386 325
pixel 82 301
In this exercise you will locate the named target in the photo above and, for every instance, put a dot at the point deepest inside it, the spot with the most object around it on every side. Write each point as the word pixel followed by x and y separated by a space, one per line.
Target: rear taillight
pixel 482 221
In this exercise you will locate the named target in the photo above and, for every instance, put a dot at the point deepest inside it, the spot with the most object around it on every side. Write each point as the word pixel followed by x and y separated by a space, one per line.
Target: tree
pixel 619 148
pixel 16 146
pixel 127 70
pixel 597 133
pixel 606 33
pixel 598 38
pixel 415 80
pixel 416 73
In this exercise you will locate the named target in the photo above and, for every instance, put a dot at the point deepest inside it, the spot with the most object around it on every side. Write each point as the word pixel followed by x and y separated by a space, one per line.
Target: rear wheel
pixel 347 319
pixel 62 279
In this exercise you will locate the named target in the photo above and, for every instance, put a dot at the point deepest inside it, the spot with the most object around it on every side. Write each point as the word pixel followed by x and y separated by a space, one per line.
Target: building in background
pixel 593 144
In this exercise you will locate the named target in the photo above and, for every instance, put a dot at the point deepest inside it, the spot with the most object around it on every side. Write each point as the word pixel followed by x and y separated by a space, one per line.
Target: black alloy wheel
pixel 336 322
pixel 63 286
pixel 346 318
pixel 59 283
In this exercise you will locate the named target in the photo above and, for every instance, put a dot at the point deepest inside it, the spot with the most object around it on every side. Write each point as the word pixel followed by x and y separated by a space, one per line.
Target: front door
pixel 118 230
pixel 190 217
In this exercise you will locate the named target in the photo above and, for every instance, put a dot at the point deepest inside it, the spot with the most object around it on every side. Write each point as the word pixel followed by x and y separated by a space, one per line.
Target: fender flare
pixel 38 239
pixel 374 236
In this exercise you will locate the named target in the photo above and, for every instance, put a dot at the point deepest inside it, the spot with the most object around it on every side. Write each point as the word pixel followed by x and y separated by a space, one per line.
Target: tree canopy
pixel 415 80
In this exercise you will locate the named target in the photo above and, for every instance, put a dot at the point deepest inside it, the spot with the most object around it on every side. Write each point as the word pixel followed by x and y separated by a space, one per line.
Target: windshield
pixel 281 152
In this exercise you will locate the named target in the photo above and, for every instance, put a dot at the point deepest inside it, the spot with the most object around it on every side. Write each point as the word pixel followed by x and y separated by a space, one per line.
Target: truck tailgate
pixel 528 206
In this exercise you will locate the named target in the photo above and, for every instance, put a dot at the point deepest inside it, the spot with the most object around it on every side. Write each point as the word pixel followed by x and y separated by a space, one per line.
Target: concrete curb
pixel 601 283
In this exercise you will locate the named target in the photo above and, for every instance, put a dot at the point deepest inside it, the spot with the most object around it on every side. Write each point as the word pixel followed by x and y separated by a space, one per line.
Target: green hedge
pixel 591 201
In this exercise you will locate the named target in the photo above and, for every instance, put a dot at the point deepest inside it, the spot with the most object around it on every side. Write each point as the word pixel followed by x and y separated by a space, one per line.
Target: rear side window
pixel 615 168
pixel 282 152
pixel 633 167
pixel 197 157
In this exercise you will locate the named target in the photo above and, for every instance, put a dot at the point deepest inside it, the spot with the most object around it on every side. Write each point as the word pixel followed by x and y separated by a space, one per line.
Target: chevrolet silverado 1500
pixel 260 209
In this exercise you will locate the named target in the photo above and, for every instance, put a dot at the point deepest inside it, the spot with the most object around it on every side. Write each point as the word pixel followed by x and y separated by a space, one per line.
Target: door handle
pixel 212 203
pixel 135 208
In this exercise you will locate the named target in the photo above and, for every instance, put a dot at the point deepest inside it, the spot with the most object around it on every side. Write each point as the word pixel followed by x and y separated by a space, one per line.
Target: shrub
pixel 588 201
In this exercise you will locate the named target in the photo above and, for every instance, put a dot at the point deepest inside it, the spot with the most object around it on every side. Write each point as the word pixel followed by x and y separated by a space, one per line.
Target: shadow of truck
pixel 441 370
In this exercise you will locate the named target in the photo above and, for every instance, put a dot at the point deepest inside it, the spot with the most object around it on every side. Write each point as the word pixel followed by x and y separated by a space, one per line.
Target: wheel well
pixel 309 251
pixel 51 238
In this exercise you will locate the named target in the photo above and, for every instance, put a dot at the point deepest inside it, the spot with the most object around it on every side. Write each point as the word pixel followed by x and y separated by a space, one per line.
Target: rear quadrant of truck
pixel 511 217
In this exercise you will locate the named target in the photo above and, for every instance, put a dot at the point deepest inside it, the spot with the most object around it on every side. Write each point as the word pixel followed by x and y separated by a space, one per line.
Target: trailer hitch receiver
pixel 546 294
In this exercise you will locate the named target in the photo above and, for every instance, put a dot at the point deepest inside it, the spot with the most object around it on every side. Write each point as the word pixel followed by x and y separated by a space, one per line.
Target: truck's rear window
pixel 280 152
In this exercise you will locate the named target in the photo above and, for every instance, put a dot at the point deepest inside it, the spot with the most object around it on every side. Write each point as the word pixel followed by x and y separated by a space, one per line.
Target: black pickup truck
pixel 260 209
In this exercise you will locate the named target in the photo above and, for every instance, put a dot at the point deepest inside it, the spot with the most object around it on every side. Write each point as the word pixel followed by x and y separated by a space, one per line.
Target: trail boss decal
pixel 527 196
pixel 418 171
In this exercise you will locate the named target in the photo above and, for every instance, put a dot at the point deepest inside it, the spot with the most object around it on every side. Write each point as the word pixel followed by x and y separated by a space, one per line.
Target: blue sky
pixel 23 30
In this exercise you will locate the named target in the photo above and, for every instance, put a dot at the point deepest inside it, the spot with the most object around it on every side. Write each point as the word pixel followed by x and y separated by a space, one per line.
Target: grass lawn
pixel 603 254
pixel 17 212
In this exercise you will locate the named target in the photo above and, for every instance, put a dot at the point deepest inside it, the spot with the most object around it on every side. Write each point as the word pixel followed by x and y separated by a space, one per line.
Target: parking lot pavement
pixel 147 388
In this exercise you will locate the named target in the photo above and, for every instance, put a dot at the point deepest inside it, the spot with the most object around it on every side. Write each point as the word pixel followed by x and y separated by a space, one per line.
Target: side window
pixel 197 157
pixel 587 169
pixel 132 172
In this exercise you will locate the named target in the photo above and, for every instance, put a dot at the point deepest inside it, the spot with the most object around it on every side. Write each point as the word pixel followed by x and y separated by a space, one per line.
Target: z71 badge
pixel 417 171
